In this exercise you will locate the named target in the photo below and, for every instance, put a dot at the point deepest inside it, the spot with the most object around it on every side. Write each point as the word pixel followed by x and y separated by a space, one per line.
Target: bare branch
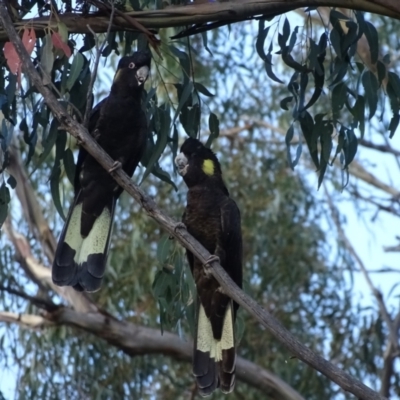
pixel 221 12
pixel 137 340
pixel 42 275
pixel 25 320
pixel 384 148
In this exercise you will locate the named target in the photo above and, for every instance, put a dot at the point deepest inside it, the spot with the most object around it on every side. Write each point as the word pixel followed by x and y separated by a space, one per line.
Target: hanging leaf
pixel 213 126
pixel 288 139
pixel 47 55
pixel 203 90
pixel 4 201
pixel 12 182
pixel 310 134
pixel 284 103
pixel 12 58
pixel 339 97
pixel 262 34
pixel 59 44
pixel 69 165
pixel 183 98
pixel 350 147
pixel 75 71
pixel 370 84
pixel 13 61
pixel 268 69
pixel 88 43
pixel 162 138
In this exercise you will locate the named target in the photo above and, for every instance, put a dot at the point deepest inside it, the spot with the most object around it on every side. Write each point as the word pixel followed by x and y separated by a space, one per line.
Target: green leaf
pixel 184 62
pixel 326 141
pixel 4 201
pixel 284 103
pixel 75 71
pixel 48 143
pixel 335 41
pixel 381 68
pixel 205 43
pixel 164 176
pixel 288 139
pixel 341 139
pixel 394 123
pixel 163 249
pixel 213 126
pixel 187 91
pixel 203 90
pixel 55 189
pixel 47 56
pixel 69 165
pixel 339 72
pixel 88 43
pixel 370 84
pixel 339 97
pixel 310 133
pixel 350 147
pixel 11 88
pixel 162 138
pixel 56 172
pixel 371 34
pixel 12 182
pixel 262 34
pixel 268 69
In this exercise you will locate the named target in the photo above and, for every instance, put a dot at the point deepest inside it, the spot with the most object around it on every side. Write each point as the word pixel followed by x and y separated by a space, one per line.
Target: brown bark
pixel 136 340
pixel 173 16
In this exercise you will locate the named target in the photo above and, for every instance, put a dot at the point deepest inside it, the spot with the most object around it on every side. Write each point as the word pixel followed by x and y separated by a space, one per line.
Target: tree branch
pixel 136 340
pixel 261 379
pixel 302 352
pixel 25 320
pixel 228 12
pixel 42 275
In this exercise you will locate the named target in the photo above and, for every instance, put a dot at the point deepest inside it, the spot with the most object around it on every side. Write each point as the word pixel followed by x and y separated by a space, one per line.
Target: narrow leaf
pixel 75 71
pixel 370 84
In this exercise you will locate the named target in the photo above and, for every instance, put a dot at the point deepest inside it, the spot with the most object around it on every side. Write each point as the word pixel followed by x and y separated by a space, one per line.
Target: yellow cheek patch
pixel 208 167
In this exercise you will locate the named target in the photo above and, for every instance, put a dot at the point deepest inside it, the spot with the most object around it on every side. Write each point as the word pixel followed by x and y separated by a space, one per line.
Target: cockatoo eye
pixel 131 65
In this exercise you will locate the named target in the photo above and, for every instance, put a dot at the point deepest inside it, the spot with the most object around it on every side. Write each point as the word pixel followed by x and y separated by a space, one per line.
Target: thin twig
pixel 37 301
pixel 89 96
pixel 299 350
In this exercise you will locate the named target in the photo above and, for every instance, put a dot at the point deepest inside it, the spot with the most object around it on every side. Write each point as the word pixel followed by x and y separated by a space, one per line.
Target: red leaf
pixel 12 58
pixel 28 39
pixel 59 44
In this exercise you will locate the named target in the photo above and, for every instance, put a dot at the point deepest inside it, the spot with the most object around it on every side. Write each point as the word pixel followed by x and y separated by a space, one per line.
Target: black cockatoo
pixel 119 125
pixel 213 218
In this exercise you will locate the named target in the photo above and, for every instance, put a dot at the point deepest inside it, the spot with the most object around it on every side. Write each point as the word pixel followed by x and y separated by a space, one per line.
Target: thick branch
pixel 303 353
pixel 42 275
pixel 137 340
pixel 231 11
pixel 25 320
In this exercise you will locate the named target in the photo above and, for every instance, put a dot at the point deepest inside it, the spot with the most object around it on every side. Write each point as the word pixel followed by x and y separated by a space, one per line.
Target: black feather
pixel 119 125
pixel 213 218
